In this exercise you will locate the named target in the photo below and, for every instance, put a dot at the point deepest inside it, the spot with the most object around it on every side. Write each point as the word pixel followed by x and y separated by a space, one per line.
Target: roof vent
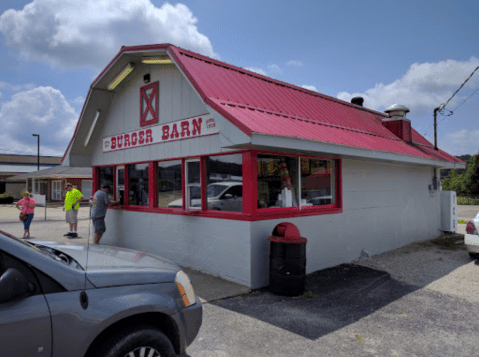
pixel 397 111
pixel 358 101
pixel 397 122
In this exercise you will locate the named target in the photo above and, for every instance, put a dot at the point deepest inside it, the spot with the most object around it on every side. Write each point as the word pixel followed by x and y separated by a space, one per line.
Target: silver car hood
pixel 107 266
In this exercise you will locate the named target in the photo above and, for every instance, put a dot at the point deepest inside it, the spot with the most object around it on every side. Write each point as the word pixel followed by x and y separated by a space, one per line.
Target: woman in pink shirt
pixel 28 206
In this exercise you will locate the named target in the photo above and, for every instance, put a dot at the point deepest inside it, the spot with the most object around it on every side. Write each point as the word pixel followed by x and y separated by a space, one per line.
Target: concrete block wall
pixel 385 206
pixel 214 246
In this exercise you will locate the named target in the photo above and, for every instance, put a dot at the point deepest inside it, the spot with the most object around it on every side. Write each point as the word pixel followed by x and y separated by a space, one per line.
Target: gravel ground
pixel 440 264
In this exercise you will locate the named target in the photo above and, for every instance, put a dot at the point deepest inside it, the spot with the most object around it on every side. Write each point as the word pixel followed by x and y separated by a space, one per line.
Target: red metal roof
pixel 258 104
pixel 262 105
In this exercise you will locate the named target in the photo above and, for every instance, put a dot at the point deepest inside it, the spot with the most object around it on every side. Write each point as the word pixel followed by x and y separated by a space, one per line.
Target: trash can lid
pixel 286 233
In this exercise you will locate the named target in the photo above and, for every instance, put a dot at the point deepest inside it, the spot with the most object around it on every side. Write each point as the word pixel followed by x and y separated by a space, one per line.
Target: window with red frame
pixel 286 181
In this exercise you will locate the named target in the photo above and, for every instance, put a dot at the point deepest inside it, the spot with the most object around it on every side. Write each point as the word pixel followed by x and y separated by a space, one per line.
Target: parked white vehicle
pixel 222 196
pixel 471 238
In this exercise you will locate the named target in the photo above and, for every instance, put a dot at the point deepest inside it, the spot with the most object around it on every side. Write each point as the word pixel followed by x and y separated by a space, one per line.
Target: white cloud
pixel 313 88
pixel 461 142
pixel 41 110
pixel 424 87
pixel 78 100
pixel 295 63
pixel 71 33
pixel 275 68
pixel 256 70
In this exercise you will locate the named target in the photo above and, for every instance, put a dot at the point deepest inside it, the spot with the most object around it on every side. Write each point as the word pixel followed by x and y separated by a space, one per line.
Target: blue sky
pixel 415 53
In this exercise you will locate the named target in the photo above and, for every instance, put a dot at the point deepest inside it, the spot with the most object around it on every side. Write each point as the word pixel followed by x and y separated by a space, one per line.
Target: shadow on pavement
pixel 342 295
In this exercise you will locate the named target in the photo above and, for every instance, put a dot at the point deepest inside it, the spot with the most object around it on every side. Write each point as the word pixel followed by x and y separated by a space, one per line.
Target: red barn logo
pixel 149 104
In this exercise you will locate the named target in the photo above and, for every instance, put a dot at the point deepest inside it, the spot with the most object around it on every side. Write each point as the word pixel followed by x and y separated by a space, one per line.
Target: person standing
pixel 28 208
pixel 72 199
pixel 100 204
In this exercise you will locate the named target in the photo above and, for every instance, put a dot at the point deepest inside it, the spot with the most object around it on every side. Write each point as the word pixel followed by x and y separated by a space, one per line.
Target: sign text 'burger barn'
pixel 182 129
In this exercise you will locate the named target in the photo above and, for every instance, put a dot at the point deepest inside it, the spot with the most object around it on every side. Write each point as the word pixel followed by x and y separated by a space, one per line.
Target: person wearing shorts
pixel 72 199
pixel 99 206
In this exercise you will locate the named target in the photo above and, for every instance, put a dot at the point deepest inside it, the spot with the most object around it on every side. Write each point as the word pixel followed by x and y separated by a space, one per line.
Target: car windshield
pixel 48 251
pixel 215 189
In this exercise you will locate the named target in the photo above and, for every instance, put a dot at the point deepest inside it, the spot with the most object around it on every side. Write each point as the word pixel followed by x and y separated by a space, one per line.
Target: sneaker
pixel 73 235
pixel 68 234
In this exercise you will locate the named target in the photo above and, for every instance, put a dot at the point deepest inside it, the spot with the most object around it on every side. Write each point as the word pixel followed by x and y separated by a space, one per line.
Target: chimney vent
pixel 397 122
pixel 358 101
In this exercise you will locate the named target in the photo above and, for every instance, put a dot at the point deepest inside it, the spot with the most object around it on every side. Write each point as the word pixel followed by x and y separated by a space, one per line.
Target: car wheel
pixel 474 255
pixel 141 342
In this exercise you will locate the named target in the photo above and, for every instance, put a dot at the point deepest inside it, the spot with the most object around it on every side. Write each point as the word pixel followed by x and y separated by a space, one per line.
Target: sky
pixel 414 53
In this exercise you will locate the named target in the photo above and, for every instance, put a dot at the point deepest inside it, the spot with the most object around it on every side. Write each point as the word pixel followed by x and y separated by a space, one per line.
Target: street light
pixel 38 151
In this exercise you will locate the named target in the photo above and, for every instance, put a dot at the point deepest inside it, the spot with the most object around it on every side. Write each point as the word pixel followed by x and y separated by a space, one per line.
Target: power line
pixel 442 106
pixel 466 99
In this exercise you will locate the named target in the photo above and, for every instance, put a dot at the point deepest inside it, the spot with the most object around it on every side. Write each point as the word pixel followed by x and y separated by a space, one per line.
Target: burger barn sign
pixel 182 129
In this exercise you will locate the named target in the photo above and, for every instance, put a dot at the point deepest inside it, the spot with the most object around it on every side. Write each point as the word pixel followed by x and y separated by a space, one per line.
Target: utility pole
pixel 38 150
pixel 435 127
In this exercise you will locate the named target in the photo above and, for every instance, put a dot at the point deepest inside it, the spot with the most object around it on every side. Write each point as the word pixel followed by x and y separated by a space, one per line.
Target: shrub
pixel 467 201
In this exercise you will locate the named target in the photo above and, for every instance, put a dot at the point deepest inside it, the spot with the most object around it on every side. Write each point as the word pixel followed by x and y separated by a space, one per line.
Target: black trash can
pixel 287 260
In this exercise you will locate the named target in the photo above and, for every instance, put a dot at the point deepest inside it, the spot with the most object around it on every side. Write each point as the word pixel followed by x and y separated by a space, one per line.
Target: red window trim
pixel 250 172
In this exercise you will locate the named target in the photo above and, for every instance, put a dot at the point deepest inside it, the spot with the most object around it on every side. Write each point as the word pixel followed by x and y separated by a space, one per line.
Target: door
pixel 25 328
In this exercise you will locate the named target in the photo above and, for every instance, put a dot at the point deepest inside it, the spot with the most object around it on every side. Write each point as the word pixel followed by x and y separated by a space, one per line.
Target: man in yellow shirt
pixel 72 199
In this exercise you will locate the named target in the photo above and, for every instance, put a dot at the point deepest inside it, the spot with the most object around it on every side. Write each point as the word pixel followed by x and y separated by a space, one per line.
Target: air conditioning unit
pixel 448 211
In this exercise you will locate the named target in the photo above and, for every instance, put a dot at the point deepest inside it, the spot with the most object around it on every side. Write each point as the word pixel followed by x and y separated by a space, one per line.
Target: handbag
pixel 23 216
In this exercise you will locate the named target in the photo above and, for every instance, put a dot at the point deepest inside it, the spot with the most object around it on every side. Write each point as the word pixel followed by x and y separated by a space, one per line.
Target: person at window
pixel 28 207
pixel 99 206
pixel 72 205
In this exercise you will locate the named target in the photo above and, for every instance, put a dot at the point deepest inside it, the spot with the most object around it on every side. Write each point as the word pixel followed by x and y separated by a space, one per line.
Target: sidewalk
pixel 207 287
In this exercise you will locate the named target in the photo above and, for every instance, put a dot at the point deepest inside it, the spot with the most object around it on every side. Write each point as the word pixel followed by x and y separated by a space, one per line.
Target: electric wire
pixel 442 106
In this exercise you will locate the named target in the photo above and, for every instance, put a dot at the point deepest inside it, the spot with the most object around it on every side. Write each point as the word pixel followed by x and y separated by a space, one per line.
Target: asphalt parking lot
pixel 419 300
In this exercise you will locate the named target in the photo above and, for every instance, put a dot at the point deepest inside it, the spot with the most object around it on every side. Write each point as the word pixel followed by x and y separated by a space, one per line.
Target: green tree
pixel 466 182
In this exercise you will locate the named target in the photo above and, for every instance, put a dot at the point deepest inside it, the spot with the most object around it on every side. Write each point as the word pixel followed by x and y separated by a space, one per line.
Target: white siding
pixel 177 100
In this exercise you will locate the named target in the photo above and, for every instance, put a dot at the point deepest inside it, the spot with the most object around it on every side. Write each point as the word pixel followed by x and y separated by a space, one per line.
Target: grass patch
pixel 467 201
pixel 446 241
pixel 462 222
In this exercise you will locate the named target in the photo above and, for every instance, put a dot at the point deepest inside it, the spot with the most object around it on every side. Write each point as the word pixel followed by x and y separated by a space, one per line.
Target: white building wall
pixel 214 246
pixel 385 206
pixel 177 100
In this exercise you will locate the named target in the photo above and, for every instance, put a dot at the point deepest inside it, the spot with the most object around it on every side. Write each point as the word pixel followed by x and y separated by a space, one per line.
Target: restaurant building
pixel 207 158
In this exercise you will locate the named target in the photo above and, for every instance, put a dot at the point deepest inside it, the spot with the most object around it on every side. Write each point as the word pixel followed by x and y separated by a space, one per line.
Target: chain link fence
pixel 48 212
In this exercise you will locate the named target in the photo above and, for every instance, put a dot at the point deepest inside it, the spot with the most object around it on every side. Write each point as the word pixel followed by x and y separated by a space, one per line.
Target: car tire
pixel 474 255
pixel 140 342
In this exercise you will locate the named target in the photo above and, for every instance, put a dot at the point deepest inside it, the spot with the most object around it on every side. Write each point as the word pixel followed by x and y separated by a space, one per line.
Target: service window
pixel 193 184
pixel 317 182
pixel 120 184
pixel 105 177
pixel 169 184
pixel 277 181
pixel 224 176
pixel 285 181
pixel 138 179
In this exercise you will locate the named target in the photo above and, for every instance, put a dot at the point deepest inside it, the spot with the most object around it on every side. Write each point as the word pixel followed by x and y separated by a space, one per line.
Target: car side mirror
pixel 13 285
